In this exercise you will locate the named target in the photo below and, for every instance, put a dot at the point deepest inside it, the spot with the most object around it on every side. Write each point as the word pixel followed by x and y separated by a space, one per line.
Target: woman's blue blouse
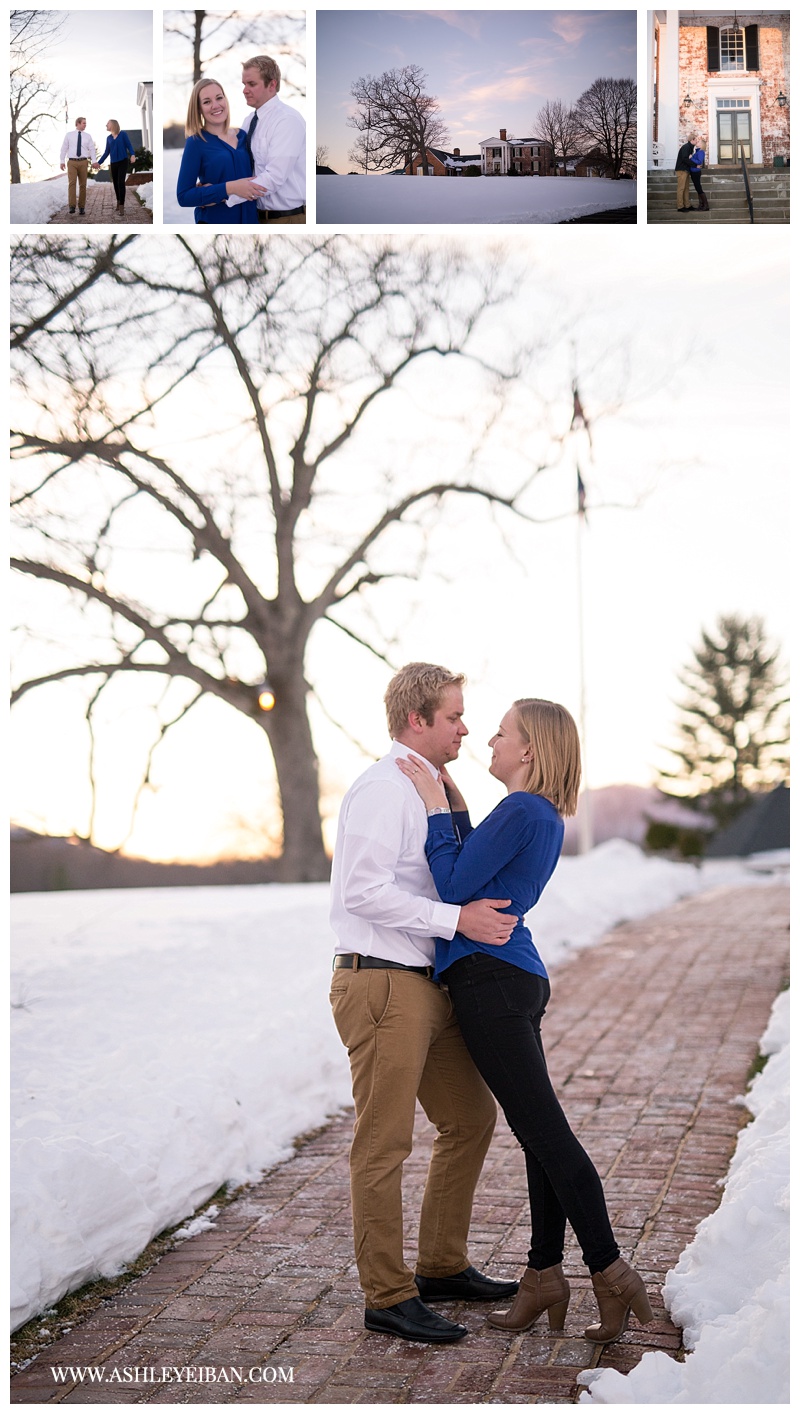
pixel 209 162
pixel 511 854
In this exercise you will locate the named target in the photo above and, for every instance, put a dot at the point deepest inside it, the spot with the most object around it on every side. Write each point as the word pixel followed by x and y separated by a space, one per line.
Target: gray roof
pixel 763 825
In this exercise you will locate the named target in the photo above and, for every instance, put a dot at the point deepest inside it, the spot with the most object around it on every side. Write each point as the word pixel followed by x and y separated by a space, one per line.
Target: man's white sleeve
pixel 370 848
pixel 64 149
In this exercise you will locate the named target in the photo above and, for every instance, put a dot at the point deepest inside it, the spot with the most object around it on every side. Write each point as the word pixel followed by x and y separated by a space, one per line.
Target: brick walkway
pixel 101 209
pixel 650 1037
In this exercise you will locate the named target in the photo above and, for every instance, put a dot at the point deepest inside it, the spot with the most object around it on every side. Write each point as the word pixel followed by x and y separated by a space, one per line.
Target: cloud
pixel 571 26
pixel 466 20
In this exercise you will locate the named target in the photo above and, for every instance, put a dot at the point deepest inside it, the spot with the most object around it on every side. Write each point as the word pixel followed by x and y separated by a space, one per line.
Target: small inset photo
pixel 511 117
pixel 81 117
pixel 234 118
pixel 718 139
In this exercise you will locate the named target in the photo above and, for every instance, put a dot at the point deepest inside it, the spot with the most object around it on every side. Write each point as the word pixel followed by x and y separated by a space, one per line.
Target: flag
pixel 581 496
pixel 579 418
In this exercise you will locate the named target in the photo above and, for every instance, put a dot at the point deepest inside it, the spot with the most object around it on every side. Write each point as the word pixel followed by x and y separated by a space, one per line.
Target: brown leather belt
pixel 356 962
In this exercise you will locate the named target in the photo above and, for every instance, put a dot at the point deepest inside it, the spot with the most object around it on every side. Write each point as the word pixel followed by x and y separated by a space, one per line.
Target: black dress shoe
pixel 72 211
pixel 469 1285
pixel 82 211
pixel 411 1320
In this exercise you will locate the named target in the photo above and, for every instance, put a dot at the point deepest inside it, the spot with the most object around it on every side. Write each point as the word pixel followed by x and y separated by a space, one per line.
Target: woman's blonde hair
pixel 114 126
pixel 555 770
pixel 194 118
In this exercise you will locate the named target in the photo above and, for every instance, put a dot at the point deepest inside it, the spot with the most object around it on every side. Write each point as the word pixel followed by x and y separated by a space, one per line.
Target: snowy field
pixel 166 1041
pixel 366 201
pixel 33 203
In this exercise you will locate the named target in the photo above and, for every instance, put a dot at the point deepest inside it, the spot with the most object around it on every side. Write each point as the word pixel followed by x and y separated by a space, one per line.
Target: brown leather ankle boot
pixel 619 1290
pixel 538 1291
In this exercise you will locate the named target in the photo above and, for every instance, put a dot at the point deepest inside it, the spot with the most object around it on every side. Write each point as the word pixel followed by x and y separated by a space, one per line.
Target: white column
pixel 669 91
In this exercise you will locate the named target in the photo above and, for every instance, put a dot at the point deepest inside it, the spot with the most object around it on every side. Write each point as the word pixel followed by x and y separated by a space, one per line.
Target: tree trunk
pixel 303 859
pixel 199 16
pixel 15 172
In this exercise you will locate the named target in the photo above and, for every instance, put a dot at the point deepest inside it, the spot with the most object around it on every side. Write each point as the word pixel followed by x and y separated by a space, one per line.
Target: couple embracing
pixel 248 175
pixel 438 993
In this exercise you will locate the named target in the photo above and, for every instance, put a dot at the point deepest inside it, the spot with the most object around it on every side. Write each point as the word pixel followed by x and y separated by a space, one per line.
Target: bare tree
pixel 32 97
pixel 276 357
pixel 606 115
pixel 209 35
pixel 557 124
pixel 323 153
pixel 395 120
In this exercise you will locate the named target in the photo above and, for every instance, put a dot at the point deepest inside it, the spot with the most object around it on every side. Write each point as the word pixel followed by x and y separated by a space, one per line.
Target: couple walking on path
pixel 438 992
pixel 78 152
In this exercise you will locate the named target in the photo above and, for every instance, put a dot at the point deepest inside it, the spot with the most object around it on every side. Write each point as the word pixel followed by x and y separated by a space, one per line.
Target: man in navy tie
pixel 77 151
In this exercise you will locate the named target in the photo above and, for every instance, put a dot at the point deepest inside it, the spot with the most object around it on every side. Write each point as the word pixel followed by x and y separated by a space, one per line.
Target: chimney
pixel 456 151
pixel 502 134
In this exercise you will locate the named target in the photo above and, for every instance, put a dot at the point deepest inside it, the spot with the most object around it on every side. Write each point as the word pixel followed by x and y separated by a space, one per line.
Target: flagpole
pixel 584 808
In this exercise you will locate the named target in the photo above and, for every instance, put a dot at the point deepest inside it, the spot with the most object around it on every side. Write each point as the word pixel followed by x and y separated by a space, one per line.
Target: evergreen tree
pixel 733 724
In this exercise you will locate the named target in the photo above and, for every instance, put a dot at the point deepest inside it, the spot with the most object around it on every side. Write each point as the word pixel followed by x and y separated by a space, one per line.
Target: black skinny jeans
pixel 500 1009
pixel 119 171
pixel 696 183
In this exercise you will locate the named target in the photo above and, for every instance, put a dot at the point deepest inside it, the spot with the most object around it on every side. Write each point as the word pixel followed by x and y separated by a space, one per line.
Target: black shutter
pixel 712 41
pixel 751 47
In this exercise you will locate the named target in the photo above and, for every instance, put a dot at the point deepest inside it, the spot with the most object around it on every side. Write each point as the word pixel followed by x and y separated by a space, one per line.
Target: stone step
pixel 712 218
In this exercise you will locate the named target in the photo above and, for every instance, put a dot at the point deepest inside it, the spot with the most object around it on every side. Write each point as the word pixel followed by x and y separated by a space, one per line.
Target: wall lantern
pixel 687 102
pixel 736 27
pixel 782 100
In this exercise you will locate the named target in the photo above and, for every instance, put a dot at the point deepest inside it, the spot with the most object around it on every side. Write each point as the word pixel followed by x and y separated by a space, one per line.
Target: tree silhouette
pixel 732 729
pixel 271 358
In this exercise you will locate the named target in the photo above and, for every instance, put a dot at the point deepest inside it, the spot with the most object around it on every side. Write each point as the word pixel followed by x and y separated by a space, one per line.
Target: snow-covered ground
pixel 173 213
pixel 169 1040
pixel 730 1288
pixel 365 201
pixel 145 194
pixel 33 203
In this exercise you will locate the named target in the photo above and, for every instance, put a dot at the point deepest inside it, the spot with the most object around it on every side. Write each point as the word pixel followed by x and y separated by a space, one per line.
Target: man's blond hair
pixel 555 770
pixel 418 687
pixel 267 68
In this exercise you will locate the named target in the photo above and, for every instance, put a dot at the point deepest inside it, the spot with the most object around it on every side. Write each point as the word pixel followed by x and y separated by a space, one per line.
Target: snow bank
pixel 365 201
pixel 33 203
pixel 730 1288
pixel 167 1041
pixel 145 194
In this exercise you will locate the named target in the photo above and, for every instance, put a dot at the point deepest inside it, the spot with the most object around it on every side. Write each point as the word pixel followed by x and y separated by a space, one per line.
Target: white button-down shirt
pixel 278 145
pixel 383 899
pixel 69 147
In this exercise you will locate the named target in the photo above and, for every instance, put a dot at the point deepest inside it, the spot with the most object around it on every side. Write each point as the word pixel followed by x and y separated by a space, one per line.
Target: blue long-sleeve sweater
pixel 117 148
pixel 213 162
pixel 511 854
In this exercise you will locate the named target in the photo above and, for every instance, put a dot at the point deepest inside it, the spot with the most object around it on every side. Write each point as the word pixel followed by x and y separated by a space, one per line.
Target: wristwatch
pixel 440 810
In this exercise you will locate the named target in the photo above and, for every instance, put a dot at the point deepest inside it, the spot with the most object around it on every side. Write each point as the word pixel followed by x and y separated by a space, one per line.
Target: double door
pixel 734 135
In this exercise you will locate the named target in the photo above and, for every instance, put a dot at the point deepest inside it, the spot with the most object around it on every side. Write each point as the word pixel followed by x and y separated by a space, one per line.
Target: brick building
pixel 441 164
pixel 724 76
pixel 525 155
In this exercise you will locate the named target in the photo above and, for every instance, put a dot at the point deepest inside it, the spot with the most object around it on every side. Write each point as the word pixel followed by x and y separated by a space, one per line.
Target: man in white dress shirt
pixel 77 151
pixel 400 1028
pixel 276 137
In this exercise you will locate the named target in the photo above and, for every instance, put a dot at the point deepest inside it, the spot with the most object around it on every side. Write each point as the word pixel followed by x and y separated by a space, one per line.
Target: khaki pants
pixel 404 1044
pixel 77 168
pixel 683 191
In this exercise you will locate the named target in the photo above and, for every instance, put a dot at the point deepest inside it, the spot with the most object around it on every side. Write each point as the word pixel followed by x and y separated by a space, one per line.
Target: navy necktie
pixel 79 144
pixel 248 136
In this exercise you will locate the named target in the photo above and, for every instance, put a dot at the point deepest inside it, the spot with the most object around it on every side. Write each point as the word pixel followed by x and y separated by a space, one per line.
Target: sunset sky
pixel 697 445
pixel 488 68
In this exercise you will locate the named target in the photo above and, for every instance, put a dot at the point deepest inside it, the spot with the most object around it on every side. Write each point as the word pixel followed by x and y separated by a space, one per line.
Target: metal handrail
pixel 747 191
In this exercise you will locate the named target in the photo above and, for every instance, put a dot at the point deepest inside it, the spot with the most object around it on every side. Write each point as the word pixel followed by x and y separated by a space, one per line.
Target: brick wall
pixel 773 42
